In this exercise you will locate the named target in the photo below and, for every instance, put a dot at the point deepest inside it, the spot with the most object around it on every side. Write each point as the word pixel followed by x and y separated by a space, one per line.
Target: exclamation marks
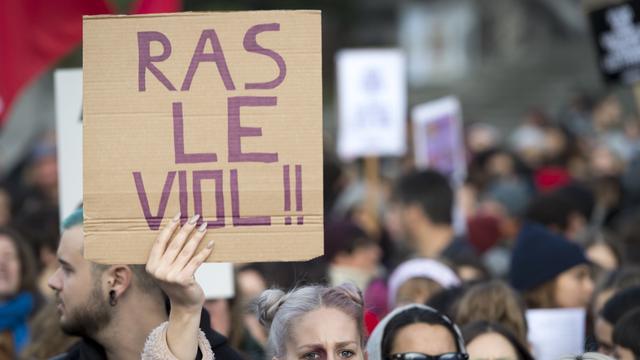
pixel 286 180
pixel 299 193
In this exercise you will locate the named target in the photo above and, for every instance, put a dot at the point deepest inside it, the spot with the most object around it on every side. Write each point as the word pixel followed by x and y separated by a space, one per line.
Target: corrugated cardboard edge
pixel 197 13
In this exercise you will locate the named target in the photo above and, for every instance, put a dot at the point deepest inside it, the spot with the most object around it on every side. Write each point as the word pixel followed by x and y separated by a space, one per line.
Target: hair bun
pixel 267 305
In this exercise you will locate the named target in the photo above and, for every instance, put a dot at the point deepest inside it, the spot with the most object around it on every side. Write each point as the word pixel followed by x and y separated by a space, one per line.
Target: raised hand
pixel 173 261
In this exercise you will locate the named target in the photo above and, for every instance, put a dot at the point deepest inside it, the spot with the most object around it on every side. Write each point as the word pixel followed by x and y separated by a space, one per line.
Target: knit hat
pixel 421 268
pixel 540 255
pixel 620 304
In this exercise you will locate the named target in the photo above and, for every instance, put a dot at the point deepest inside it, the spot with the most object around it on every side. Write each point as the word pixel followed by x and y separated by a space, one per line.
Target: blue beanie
pixel 540 255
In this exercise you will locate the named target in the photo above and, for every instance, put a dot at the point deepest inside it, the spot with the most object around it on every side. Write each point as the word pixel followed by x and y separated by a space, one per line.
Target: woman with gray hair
pixel 313 322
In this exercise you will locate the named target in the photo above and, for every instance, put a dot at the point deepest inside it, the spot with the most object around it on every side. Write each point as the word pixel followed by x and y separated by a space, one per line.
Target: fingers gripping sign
pixel 174 259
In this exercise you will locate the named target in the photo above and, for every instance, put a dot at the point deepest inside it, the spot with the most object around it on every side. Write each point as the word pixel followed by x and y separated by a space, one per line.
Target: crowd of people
pixel 416 265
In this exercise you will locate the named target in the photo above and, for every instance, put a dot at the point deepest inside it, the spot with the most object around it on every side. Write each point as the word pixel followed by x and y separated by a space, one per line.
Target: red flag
pixel 34 34
pixel 156 6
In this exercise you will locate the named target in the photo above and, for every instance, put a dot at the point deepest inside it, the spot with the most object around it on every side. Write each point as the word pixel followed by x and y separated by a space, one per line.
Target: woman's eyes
pixel 343 354
pixel 346 354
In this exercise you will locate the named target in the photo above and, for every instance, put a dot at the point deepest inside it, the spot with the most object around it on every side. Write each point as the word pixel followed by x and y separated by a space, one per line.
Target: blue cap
pixel 540 255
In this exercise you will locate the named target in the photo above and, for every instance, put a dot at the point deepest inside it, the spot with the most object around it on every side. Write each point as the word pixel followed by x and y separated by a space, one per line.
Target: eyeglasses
pixel 421 356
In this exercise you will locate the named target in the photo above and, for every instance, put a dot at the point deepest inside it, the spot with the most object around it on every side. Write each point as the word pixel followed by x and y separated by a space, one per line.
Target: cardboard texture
pixel 218 114
pixel 217 279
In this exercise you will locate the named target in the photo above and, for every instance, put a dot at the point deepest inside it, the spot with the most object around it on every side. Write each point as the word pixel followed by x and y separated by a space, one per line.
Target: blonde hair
pixel 494 302
pixel 416 290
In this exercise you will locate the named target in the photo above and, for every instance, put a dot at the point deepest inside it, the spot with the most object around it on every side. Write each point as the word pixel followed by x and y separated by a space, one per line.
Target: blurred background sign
pixel 438 39
pixel 68 101
pixel 372 100
pixel 438 139
pixel 616 32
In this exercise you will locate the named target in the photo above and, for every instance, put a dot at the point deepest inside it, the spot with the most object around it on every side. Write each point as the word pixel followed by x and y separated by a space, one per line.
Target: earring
pixel 112 298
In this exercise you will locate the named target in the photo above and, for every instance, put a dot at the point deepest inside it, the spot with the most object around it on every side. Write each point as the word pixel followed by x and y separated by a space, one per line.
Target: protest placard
pixel 439 38
pixel 372 100
pixel 554 333
pixel 216 279
pixel 438 140
pixel 68 102
pixel 615 26
pixel 216 114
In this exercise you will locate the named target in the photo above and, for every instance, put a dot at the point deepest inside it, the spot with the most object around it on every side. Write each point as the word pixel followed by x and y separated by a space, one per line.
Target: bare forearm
pixel 182 332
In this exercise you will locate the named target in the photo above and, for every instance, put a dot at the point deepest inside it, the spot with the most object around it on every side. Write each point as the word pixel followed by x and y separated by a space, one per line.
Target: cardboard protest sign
pixel 216 279
pixel 438 139
pixel 372 100
pixel 554 333
pixel 615 27
pixel 217 114
pixel 68 102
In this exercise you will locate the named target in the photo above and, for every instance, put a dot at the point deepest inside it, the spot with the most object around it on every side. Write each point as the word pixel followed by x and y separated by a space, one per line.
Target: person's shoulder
pixel 62 356
pixel 83 350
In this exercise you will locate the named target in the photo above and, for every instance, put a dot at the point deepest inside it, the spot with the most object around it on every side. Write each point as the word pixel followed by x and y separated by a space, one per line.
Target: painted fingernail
pixel 210 244
pixel 177 217
pixel 194 219
pixel 203 227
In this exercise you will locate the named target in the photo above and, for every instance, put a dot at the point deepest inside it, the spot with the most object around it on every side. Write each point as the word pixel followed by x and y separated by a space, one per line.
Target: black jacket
pixel 87 349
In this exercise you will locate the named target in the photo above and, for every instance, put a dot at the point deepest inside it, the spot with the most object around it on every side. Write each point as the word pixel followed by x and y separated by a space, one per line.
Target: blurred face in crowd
pixel 411 216
pixel 393 221
pixel 501 165
pixel 574 287
pixel 82 303
pixel 491 346
pixel 325 334
pixel 423 338
pixel 9 268
pixel 365 258
pixel 250 283
pixel 604 162
pixel 607 113
pixel 604 336
pixel 220 313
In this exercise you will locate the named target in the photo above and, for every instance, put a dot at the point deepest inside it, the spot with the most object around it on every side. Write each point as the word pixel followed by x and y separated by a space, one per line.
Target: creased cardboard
pixel 218 114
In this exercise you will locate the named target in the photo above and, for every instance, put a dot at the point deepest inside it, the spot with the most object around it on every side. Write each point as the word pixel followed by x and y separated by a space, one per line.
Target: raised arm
pixel 173 261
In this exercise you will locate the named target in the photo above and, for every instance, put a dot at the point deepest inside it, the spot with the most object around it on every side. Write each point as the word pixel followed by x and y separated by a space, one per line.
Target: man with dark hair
pixel 113 308
pixel 427 210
